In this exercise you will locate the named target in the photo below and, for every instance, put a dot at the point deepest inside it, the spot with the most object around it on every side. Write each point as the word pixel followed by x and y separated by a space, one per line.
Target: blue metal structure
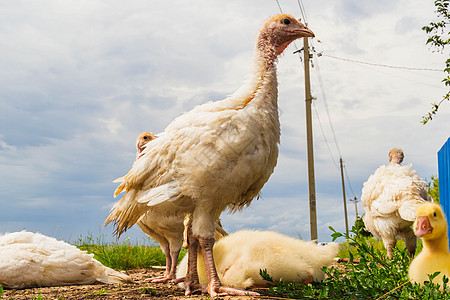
pixel 444 178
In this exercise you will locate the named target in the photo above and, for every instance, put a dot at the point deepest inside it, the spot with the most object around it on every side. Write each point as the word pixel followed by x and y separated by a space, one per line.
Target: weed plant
pixel 374 276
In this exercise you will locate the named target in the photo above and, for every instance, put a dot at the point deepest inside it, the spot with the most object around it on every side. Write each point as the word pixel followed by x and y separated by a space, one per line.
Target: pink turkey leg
pixel 191 281
pixel 215 288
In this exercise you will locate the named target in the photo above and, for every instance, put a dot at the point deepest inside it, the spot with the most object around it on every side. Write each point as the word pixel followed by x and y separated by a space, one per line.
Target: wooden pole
pixel 343 194
pixel 309 142
pixel 356 208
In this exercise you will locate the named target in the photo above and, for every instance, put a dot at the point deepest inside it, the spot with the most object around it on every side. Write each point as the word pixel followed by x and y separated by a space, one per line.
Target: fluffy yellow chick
pixel 431 226
pixel 241 255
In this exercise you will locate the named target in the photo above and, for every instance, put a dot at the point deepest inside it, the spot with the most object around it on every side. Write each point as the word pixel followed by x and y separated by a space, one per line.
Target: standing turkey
pixel 216 156
pixel 168 231
pixel 390 197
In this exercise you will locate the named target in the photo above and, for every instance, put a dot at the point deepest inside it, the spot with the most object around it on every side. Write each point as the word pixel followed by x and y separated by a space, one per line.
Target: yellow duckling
pixel 241 255
pixel 431 226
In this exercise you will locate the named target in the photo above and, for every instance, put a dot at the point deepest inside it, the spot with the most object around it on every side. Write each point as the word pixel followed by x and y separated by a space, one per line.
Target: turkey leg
pixel 166 276
pixel 215 288
pixel 171 268
pixel 389 245
pixel 191 281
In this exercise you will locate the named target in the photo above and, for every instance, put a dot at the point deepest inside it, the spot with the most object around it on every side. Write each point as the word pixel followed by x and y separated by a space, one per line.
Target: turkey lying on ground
pixel 34 260
pixel 390 197
pixel 215 157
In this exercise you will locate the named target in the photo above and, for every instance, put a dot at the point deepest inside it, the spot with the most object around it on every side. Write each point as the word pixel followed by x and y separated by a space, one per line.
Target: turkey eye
pixel 287 21
pixel 145 137
pixel 434 214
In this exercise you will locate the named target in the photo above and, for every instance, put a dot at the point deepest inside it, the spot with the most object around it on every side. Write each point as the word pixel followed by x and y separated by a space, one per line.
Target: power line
pixel 331 127
pixel 348 181
pixel 324 137
pixel 380 65
pixel 326 107
pixel 302 11
pixel 279 6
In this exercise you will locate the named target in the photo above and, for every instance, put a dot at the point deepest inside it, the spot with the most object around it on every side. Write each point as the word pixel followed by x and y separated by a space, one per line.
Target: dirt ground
pixel 137 290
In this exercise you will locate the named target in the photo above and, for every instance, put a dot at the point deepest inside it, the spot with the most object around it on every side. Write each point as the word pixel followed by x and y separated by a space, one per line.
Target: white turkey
pixel 34 260
pixel 168 231
pixel 216 156
pixel 390 197
pixel 240 256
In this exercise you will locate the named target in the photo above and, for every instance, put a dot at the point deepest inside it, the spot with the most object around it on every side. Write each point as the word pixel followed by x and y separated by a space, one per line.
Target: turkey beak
pixel 423 226
pixel 308 33
pixel 304 31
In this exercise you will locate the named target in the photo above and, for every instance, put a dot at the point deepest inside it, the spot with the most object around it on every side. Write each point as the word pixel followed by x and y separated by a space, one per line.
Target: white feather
pixel 165 192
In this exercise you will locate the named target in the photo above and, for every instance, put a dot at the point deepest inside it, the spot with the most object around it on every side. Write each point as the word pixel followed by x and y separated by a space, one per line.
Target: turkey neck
pixel 262 90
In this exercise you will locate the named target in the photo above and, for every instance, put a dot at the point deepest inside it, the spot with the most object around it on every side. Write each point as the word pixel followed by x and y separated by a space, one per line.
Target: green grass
pixel 373 277
pixel 125 255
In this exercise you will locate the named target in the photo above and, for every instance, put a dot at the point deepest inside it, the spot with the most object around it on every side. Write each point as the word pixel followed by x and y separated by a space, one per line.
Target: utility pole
pixel 309 142
pixel 356 206
pixel 343 194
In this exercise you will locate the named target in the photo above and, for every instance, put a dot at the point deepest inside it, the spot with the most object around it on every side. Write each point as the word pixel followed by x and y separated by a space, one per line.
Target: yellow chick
pixel 431 226
pixel 241 255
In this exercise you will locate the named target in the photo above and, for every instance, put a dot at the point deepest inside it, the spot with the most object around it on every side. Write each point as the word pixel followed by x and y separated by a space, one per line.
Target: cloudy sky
pixel 79 80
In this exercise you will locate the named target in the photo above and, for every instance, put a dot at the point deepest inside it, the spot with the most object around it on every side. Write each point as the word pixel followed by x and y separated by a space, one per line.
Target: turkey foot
pixel 217 291
pixel 179 280
pixel 215 288
pixel 171 267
